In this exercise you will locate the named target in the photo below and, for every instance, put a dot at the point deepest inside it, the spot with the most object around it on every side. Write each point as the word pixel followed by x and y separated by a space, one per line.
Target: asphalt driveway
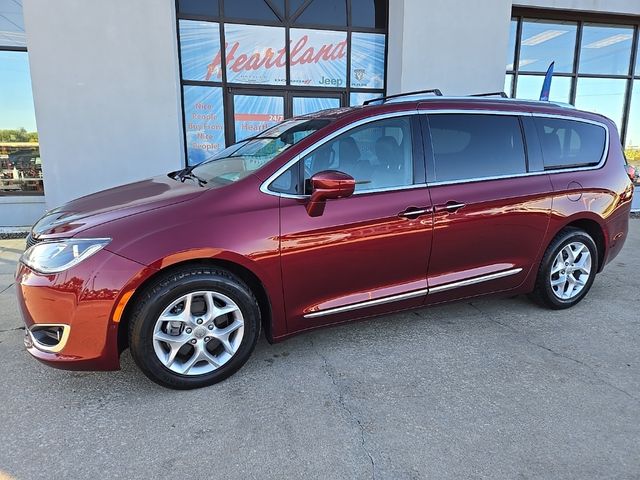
pixel 487 389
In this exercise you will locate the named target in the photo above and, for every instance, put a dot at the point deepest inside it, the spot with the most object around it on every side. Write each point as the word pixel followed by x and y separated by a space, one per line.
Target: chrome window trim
pixel 414 293
pixel 264 186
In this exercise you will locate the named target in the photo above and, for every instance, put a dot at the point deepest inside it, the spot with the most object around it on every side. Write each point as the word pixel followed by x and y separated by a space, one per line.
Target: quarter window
pixel 378 155
pixel 570 143
pixel 470 146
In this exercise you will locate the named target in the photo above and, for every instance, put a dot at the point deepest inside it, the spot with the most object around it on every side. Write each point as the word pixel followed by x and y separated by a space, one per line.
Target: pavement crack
pixel 11 329
pixel 593 371
pixel 329 372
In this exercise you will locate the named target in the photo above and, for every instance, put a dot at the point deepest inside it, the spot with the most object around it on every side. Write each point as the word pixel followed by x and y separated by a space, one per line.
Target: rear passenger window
pixel 570 143
pixel 470 146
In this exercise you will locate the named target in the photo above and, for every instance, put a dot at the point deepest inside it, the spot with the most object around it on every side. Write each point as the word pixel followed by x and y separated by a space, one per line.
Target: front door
pixel 254 112
pixel 490 217
pixel 366 254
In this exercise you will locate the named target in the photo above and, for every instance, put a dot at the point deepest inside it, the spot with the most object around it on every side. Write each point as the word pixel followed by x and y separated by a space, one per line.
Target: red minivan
pixel 410 201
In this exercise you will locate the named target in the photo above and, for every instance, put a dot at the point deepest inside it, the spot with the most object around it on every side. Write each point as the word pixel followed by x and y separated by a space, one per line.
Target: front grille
pixel 31 240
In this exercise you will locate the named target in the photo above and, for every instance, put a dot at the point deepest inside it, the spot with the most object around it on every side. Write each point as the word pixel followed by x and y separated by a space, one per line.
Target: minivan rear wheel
pixel 194 327
pixel 567 270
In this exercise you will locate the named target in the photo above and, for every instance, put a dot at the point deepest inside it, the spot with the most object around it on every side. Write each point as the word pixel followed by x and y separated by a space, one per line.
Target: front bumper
pixel 81 301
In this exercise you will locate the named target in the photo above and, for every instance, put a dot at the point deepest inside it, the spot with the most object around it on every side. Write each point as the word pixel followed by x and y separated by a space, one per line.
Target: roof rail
pixel 433 91
pixel 490 94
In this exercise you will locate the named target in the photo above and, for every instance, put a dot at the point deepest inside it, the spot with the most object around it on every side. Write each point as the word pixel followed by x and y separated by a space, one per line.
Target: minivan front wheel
pixel 567 270
pixel 194 327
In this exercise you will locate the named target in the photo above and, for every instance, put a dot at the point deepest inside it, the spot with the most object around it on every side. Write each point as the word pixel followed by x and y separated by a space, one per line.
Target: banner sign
pixel 204 122
pixel 255 113
pixel 367 60
pixel 306 105
pixel 318 58
pixel 199 44
pixel 254 54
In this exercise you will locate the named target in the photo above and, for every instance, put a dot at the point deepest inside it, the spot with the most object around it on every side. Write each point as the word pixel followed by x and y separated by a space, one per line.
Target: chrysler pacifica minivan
pixel 322 219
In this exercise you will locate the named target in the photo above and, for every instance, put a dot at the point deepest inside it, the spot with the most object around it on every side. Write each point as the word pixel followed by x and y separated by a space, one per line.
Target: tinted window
pixel 476 146
pixel 324 12
pixel 378 155
pixel 569 143
pixel 250 9
pixel 207 8
pixel 369 13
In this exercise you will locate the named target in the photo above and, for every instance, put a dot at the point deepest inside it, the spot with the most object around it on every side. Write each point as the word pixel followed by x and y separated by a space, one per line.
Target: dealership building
pixel 97 94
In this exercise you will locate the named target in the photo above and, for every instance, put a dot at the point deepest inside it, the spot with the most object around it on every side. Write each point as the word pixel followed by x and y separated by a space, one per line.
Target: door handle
pixel 451 206
pixel 415 212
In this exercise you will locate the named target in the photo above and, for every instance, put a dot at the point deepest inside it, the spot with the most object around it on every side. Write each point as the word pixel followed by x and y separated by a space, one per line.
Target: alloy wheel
pixel 570 270
pixel 198 333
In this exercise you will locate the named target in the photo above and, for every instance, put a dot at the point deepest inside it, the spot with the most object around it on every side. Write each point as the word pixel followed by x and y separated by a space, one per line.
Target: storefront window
pixel 530 86
pixel 358 98
pixel 11 24
pixel 204 122
pixel 369 13
pixel 367 60
pixel 20 164
pixel 324 12
pixel 250 10
pixel 602 95
pixel 254 113
pixel 245 65
pixel 255 54
pixel 543 42
pixel 597 78
pixel 306 105
pixel 318 58
pixel 605 50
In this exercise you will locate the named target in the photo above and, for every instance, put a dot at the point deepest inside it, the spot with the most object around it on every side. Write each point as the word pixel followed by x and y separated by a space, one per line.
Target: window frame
pixel 287 22
pixel 521 14
pixel 418 153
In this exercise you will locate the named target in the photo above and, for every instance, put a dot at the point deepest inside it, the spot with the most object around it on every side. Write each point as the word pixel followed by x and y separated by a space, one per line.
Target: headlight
pixel 56 256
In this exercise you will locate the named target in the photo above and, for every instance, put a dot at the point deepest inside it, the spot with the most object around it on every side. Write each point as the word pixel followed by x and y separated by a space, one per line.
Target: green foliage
pixel 633 156
pixel 19 135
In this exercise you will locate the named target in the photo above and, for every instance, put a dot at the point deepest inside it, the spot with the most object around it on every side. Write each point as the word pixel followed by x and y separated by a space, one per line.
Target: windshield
pixel 241 159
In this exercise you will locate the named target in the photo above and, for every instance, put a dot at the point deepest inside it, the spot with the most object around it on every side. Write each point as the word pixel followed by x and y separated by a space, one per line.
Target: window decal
pixel 318 58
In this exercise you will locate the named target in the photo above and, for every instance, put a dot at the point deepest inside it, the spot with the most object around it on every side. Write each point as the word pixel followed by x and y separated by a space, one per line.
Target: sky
pixel 16 98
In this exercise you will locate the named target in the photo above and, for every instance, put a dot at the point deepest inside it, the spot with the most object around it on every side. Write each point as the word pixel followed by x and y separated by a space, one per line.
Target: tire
pixel 555 289
pixel 201 346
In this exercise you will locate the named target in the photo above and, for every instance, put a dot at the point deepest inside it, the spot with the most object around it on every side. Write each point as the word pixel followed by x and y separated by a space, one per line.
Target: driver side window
pixel 378 155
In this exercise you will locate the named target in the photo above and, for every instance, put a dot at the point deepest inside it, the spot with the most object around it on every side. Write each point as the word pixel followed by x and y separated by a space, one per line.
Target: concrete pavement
pixel 486 389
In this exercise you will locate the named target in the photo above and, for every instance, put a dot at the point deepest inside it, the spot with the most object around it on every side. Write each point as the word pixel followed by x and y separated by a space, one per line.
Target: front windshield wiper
pixel 185 173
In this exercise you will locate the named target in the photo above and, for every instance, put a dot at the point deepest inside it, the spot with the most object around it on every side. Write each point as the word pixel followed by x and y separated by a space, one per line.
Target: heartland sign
pixel 253 55
pixel 301 53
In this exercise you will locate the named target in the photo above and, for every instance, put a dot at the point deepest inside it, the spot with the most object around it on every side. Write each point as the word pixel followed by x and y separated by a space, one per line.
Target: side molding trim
pixel 414 294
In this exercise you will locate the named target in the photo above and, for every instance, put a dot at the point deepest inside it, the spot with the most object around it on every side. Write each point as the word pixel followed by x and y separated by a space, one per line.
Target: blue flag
pixel 546 86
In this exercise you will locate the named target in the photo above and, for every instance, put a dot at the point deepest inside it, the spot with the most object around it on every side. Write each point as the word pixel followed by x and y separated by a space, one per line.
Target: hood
pixel 114 203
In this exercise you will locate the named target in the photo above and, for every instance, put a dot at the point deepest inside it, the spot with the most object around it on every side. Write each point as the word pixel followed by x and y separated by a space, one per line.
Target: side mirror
pixel 328 185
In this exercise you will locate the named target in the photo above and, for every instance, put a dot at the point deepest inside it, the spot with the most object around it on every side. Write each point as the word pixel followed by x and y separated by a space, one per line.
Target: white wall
pixel 624 7
pixel 106 92
pixel 20 211
pixel 458 46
